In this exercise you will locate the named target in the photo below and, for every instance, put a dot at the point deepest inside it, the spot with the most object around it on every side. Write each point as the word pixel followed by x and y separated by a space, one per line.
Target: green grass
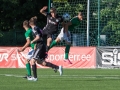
pixel 72 79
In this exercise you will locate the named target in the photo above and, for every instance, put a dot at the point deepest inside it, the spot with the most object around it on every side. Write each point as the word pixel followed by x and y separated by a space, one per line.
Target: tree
pixel 110 21
pixel 14 12
pixel 12 15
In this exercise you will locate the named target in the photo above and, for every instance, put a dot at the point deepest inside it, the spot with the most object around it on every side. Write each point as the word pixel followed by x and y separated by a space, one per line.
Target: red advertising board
pixel 81 57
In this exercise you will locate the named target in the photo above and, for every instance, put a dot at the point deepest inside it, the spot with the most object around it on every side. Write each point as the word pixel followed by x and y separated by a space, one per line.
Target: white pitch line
pixel 69 76
pixel 83 75
pixel 10 75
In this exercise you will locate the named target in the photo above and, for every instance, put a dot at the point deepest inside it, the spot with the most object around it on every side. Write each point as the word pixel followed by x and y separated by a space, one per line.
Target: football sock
pixel 53 44
pixel 47 48
pixel 53 66
pixel 67 49
pixel 28 67
pixel 34 68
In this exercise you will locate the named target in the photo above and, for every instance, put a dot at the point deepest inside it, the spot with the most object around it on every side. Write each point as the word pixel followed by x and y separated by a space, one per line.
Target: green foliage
pixel 110 17
pixel 69 8
pixel 12 15
pixel 14 12
pixel 109 20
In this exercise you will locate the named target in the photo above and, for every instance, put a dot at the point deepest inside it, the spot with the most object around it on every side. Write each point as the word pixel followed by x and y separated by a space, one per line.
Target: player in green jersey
pixel 29 38
pixel 65 34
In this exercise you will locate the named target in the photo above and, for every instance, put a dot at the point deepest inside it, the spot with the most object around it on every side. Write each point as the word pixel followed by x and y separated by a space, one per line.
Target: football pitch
pixel 72 79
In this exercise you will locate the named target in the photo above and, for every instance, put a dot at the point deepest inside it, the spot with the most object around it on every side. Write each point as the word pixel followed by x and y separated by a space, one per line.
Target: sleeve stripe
pixel 27 37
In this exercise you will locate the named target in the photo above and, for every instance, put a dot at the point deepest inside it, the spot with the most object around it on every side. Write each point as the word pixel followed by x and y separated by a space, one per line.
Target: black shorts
pixel 49 34
pixel 39 52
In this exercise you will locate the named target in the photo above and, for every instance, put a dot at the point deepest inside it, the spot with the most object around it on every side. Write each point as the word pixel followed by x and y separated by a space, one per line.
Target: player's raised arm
pixel 43 10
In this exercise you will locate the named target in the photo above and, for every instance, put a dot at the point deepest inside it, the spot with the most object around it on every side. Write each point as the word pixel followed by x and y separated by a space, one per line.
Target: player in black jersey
pixel 39 50
pixel 53 20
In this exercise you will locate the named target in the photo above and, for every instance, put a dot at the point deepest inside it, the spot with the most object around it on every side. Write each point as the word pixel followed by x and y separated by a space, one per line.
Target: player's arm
pixel 37 36
pixel 25 46
pixel 36 39
pixel 34 46
pixel 43 10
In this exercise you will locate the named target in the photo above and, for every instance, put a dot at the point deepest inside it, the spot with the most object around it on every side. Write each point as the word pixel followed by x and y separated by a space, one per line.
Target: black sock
pixel 53 66
pixel 47 48
pixel 34 68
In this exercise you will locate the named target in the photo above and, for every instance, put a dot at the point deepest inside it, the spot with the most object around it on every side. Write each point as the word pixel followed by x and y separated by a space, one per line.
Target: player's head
pixel 80 15
pixel 33 21
pixel 53 11
pixel 26 24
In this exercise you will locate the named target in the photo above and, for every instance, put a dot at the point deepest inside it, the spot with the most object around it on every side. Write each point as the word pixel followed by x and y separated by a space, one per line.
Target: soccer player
pixel 29 37
pixel 39 50
pixel 51 28
pixel 65 34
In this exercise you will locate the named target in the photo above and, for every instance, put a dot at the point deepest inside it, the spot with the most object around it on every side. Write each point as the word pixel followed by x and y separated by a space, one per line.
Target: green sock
pixel 53 44
pixel 67 49
pixel 28 67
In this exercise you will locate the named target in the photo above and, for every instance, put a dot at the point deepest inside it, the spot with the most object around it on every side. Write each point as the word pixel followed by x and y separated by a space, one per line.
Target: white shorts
pixel 63 36
pixel 30 54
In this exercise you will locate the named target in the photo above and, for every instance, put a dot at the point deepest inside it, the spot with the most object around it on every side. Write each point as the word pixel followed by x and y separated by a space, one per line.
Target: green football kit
pixel 63 36
pixel 28 35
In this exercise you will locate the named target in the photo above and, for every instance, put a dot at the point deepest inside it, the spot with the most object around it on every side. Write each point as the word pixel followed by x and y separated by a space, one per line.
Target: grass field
pixel 72 79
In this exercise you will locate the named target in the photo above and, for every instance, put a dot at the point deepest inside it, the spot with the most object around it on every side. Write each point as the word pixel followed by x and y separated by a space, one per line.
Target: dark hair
pixel 33 20
pixel 52 9
pixel 26 23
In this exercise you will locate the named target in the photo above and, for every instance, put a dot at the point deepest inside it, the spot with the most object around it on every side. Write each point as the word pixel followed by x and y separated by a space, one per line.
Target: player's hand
pixel 44 8
pixel 31 42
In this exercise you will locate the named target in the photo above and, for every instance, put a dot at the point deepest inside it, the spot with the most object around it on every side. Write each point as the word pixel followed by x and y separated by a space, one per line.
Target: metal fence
pixel 104 21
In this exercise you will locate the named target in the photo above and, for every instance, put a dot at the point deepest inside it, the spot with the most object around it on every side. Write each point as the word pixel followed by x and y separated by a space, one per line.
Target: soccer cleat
pixel 68 61
pixel 31 78
pixel 26 76
pixel 35 79
pixel 55 70
pixel 60 70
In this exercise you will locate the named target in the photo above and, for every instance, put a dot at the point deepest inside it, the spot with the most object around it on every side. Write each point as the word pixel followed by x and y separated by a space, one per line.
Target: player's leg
pixel 27 62
pixel 48 64
pixel 28 67
pixel 58 39
pixel 54 67
pixel 42 58
pixel 29 57
pixel 34 69
pixel 67 48
pixel 33 63
pixel 54 42
pixel 49 40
